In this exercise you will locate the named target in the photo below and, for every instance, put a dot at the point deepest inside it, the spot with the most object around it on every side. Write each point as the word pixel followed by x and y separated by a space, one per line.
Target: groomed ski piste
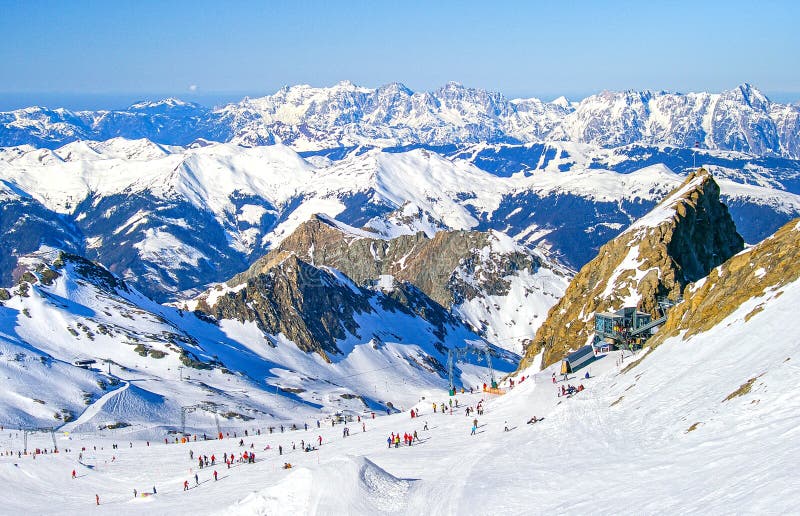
pixel 680 432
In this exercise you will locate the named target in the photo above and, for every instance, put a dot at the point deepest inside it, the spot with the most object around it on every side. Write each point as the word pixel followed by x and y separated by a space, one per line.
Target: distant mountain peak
pixel 347 115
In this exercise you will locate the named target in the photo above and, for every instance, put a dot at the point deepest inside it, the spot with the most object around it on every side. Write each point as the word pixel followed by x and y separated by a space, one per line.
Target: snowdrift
pixel 349 485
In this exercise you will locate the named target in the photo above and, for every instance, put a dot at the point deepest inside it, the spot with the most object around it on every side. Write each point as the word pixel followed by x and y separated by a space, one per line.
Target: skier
pixel 73 474
pixel 215 475
pixel 426 426
pixel 473 430
pixel 185 485
pixel 505 429
pixel 280 450
pixel 97 499
pixel 135 493
pixel 319 438
pixel 363 427
pixel 196 480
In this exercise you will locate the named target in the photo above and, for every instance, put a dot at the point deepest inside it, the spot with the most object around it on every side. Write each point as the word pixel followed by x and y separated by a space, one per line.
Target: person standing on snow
pixel 215 475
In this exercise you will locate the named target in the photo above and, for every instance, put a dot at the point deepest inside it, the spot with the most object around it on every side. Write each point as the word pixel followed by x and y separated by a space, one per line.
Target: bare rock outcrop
pixel 680 241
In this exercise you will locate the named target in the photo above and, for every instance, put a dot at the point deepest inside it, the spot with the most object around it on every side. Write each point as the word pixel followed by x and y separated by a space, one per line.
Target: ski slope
pixel 666 436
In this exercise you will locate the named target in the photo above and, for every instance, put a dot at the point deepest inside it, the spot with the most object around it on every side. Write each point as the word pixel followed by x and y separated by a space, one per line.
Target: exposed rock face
pixel 428 263
pixel 497 287
pixel 680 241
pixel 452 279
pixel 759 272
pixel 308 305
pixel 314 307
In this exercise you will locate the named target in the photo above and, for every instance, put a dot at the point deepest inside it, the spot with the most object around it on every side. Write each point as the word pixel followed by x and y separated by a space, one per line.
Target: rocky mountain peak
pixel 756 275
pixel 429 263
pixel 680 241
pixel 479 276
pixel 310 306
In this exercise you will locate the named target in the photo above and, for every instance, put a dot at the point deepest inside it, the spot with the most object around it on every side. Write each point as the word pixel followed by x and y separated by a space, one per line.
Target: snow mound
pixel 346 485
pixel 127 404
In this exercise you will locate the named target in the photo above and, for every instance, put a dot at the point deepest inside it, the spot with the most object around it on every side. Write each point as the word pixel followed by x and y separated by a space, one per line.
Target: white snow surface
pixel 389 359
pixel 658 439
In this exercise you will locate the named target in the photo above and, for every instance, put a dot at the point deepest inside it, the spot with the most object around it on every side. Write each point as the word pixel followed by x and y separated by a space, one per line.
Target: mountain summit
pixel 680 241
pixel 345 115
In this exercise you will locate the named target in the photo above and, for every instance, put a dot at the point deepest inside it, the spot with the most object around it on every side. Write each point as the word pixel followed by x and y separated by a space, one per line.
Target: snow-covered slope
pixel 702 425
pixel 152 360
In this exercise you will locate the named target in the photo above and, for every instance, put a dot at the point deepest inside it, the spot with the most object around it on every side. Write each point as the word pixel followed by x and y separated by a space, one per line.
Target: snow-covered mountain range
pixel 345 115
pixel 703 421
pixel 153 360
pixel 170 219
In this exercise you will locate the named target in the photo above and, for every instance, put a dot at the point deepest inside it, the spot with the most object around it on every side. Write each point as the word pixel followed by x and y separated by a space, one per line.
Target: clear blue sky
pixel 113 49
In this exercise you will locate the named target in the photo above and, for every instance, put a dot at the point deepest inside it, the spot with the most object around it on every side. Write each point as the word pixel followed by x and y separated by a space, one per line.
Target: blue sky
pixel 114 50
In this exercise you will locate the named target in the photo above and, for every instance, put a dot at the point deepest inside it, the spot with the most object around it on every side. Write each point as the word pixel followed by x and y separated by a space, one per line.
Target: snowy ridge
pixel 346 115
pixel 245 201
pixel 665 210
pixel 161 358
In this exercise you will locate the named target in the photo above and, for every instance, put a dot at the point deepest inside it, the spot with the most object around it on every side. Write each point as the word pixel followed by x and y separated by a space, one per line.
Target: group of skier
pixel 408 439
